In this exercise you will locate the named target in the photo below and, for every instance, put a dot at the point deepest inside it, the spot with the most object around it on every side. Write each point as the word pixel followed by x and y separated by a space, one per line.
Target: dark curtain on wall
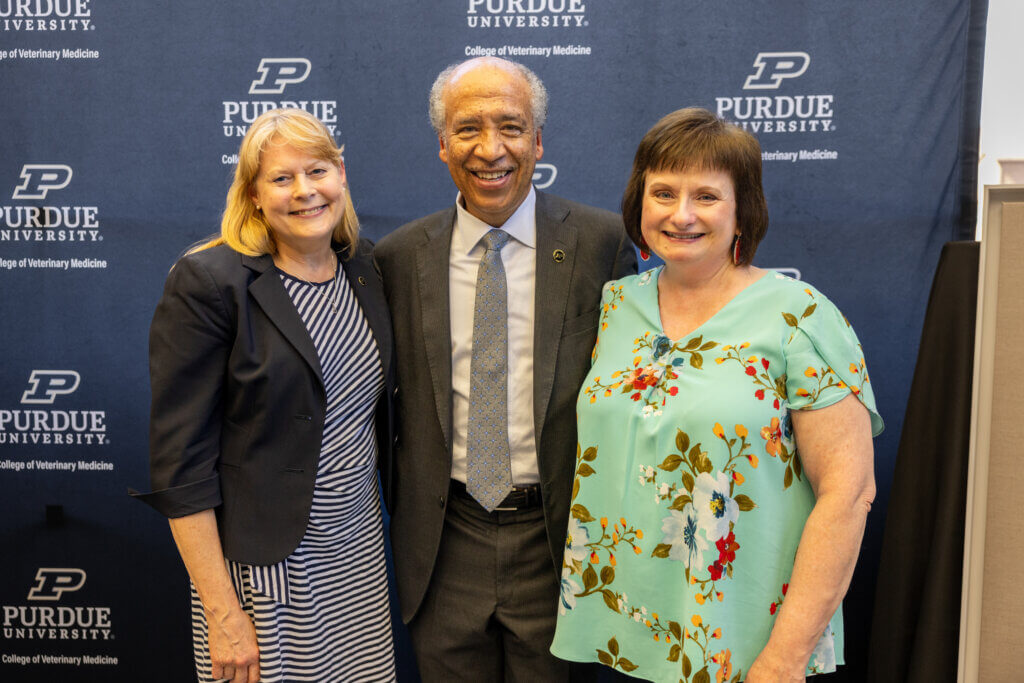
pixel 915 631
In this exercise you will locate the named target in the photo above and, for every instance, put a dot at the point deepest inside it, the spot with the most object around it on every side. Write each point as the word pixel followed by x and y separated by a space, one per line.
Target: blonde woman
pixel 270 370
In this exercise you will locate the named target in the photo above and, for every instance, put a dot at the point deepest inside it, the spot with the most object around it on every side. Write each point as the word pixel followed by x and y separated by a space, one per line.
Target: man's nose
pixel 490 146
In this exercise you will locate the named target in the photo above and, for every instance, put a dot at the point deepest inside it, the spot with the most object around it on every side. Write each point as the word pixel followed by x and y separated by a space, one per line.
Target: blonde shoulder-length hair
pixel 245 229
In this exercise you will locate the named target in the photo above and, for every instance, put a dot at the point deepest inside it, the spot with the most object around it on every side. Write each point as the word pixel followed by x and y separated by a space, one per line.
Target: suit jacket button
pixel 441 500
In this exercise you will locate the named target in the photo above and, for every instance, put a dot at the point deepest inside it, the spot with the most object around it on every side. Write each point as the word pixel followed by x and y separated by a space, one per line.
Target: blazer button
pixel 441 500
pixel 362 280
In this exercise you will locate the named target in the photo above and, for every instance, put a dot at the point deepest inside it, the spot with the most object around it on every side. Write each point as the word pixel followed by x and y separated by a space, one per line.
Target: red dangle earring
pixel 645 252
pixel 736 251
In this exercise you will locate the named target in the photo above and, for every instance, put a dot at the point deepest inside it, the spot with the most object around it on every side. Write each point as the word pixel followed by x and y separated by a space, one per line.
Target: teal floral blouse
pixel 689 497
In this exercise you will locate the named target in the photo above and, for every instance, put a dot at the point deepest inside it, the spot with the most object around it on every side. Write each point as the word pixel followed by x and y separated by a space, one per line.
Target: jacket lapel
pixel 269 292
pixel 364 281
pixel 554 234
pixel 432 274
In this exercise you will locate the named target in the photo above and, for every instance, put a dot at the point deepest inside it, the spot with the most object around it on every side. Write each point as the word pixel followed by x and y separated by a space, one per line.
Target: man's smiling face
pixel 490 143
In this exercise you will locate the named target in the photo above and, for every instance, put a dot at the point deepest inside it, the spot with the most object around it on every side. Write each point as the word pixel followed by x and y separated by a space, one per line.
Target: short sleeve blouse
pixel 689 497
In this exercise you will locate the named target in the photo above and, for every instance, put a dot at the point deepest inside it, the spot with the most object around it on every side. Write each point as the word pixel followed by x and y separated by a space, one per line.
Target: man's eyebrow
pixel 476 118
pixel 466 118
pixel 519 118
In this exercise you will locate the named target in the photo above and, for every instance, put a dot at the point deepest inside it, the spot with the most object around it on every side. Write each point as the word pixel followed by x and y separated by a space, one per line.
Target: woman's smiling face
pixel 302 197
pixel 689 218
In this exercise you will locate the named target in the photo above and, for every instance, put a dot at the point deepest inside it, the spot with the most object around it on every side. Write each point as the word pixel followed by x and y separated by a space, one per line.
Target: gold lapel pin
pixel 362 280
pixel 558 255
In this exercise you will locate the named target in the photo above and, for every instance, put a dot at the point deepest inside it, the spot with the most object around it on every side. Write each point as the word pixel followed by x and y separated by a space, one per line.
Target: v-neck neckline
pixel 727 304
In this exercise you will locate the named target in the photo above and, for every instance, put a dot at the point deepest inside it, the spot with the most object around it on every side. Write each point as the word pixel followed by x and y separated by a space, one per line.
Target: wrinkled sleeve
pixel 825 362
pixel 189 341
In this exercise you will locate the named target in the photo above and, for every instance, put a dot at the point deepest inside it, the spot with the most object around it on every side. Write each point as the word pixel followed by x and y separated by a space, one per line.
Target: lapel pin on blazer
pixel 558 255
pixel 362 280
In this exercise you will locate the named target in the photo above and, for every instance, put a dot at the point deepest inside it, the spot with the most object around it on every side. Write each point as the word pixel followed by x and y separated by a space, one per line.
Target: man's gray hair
pixel 538 93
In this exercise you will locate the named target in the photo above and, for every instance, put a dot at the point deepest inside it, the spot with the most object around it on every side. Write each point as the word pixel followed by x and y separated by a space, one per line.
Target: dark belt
pixel 521 497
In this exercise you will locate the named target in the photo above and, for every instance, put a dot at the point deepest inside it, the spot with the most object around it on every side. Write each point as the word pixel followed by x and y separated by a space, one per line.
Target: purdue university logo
pixel 38 179
pixel 276 73
pixel 29 220
pixel 544 176
pixel 778 113
pixel 58 622
pixel 45 385
pixel 772 67
pixel 273 76
pixel 39 425
pixel 500 14
pixel 52 583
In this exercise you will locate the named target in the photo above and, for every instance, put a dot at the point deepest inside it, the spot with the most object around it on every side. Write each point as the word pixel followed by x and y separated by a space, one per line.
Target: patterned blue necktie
pixel 488 465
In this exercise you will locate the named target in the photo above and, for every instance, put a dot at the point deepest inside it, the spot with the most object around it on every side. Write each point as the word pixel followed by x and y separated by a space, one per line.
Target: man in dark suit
pixel 495 303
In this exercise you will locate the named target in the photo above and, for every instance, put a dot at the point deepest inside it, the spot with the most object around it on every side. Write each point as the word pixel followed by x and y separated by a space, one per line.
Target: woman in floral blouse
pixel 724 470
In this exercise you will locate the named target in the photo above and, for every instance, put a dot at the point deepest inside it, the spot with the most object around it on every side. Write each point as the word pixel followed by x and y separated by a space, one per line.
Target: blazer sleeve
pixel 189 343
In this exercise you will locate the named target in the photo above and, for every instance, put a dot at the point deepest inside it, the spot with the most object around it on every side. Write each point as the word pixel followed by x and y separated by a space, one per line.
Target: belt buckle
pixel 515 489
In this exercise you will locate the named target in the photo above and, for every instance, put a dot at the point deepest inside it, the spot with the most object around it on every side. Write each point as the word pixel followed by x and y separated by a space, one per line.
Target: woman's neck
pixel 314 265
pixel 687 299
pixel 676 279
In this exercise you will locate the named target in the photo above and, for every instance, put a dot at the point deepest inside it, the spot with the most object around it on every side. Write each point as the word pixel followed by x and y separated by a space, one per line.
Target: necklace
pixel 332 301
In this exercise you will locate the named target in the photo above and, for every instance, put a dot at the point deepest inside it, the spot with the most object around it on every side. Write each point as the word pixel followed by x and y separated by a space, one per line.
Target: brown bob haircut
pixel 695 139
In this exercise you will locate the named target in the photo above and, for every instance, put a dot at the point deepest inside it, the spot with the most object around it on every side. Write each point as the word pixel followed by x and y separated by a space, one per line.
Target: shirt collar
pixel 521 225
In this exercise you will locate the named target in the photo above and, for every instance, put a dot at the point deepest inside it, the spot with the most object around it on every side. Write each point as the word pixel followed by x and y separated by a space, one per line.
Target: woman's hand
pixel 233 649
pixel 230 634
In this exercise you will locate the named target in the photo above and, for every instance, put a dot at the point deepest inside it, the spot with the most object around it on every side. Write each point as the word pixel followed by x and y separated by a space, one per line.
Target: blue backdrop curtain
pixel 120 121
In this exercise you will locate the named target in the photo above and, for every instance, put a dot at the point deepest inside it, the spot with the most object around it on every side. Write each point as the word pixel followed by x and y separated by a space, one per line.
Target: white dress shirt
pixel 519 258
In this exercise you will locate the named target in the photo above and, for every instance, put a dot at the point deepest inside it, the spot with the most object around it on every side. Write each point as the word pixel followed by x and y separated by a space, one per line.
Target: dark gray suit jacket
pixel 238 398
pixel 413 261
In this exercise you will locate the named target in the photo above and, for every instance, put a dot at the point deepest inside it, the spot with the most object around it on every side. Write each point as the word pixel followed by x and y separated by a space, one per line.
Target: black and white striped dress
pixel 322 614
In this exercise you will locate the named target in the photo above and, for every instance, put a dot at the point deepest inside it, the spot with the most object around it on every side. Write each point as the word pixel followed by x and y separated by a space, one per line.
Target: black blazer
pixel 238 398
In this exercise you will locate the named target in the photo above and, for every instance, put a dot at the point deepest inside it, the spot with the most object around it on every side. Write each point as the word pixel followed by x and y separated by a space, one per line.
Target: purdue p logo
pixel 38 179
pixel 52 583
pixel 277 72
pixel 772 67
pixel 544 175
pixel 45 385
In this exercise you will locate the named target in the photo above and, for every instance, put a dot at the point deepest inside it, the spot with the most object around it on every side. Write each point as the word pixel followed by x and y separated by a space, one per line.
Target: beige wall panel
pixel 1002 618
